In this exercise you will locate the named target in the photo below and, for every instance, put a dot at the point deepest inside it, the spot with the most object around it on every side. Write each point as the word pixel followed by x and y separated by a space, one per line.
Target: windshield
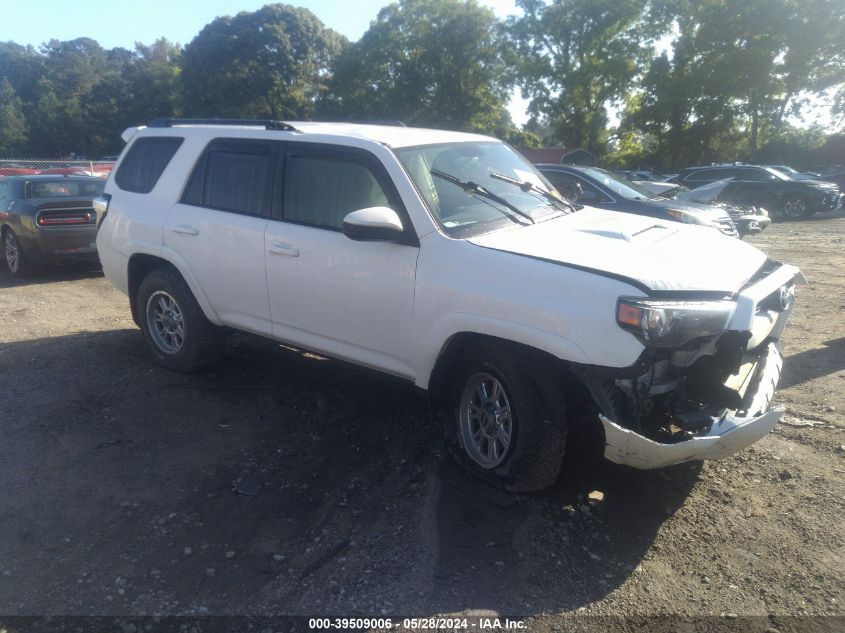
pixel 788 171
pixel 464 210
pixel 63 188
pixel 619 185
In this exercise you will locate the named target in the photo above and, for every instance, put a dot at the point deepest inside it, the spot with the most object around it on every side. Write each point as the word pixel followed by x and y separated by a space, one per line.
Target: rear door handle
pixel 280 248
pixel 184 229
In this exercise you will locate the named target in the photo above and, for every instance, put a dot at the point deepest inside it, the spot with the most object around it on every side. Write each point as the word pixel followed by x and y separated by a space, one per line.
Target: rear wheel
pixel 16 260
pixel 796 207
pixel 177 332
pixel 509 422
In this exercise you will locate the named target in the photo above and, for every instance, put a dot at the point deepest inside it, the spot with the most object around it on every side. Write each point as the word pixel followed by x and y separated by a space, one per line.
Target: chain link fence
pixel 56 166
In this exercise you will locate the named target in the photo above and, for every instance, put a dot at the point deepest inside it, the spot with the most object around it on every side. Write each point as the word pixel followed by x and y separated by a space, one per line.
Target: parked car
pixel 659 187
pixel 47 219
pixel 728 195
pixel 448 260
pixel 640 174
pixel 788 171
pixel 605 190
pixel 832 173
pixel 16 170
pixel 769 189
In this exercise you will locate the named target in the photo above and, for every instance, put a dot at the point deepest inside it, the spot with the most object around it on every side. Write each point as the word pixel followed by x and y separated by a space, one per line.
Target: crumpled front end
pixel 708 397
pixel 748 220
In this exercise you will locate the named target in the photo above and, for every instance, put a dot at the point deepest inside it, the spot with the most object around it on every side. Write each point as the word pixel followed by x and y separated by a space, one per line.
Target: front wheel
pixel 177 332
pixel 796 207
pixel 510 418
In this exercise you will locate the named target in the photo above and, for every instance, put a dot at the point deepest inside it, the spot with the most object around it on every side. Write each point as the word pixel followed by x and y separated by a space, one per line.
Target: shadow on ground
pixel 814 363
pixel 277 482
pixel 51 274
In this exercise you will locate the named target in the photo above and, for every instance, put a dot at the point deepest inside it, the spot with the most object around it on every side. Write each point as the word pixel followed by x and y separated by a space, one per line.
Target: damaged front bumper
pixel 707 399
pixel 728 433
pixel 751 224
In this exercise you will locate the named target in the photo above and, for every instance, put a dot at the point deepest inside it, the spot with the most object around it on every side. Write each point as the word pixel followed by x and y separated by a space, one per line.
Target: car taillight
pixel 101 207
pixel 64 219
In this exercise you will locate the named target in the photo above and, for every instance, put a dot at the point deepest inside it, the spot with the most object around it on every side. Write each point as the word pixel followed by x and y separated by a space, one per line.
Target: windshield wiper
pixel 527 185
pixel 475 189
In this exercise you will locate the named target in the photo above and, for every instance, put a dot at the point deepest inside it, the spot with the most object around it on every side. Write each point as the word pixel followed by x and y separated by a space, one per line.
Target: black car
pixel 602 189
pixel 48 219
pixel 831 173
pixel 768 188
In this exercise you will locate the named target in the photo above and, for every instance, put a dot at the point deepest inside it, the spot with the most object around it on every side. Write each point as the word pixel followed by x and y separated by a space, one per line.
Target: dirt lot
pixel 281 483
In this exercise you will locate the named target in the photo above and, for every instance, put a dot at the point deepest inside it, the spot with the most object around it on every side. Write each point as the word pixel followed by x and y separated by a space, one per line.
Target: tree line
pixel 657 82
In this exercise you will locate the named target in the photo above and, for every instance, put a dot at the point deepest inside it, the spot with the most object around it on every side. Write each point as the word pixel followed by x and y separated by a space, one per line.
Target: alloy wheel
pixel 486 420
pixel 165 322
pixel 795 208
pixel 12 252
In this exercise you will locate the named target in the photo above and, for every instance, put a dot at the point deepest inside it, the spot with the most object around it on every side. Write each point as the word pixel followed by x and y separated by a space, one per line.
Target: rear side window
pixel 233 176
pixel 145 162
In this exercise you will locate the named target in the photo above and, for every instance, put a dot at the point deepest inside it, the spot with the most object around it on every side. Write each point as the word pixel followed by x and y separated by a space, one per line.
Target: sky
pixel 123 22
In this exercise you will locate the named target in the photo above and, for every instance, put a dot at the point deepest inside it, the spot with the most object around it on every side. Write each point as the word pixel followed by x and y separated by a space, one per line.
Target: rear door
pixel 348 299
pixel 218 229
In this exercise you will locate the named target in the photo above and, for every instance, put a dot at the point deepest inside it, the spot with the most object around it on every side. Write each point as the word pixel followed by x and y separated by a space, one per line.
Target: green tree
pixel 576 58
pixel 274 62
pixel 738 68
pixel 13 131
pixel 434 63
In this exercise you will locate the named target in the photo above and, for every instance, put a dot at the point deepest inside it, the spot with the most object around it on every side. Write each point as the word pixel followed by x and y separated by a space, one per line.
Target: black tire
pixel 200 343
pixel 19 265
pixel 534 454
pixel 795 207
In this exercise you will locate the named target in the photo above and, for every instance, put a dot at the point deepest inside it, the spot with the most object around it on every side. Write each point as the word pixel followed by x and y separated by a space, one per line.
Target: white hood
pixel 660 255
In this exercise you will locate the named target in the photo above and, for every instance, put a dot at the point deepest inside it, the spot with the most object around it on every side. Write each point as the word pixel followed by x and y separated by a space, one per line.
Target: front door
pixel 347 299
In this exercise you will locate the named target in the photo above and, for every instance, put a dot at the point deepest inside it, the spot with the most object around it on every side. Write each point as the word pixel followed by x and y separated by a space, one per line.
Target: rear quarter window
pixel 145 162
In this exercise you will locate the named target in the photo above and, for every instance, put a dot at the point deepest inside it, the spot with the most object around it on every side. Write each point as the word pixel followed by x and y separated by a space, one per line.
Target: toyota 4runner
pixel 446 259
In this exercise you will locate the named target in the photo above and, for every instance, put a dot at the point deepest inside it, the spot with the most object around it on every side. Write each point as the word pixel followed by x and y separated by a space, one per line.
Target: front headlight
pixel 686 218
pixel 672 323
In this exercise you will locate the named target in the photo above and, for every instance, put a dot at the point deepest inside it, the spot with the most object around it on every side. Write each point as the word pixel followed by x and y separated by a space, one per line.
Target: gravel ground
pixel 278 482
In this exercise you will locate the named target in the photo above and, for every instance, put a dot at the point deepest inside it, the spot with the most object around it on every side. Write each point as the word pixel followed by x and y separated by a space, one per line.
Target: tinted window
pixel 233 176
pixel 145 162
pixel 755 175
pixel 575 189
pixel 320 190
pixel 64 188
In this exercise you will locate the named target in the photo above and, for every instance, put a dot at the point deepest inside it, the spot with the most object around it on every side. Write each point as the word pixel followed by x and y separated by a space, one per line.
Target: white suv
pixel 448 260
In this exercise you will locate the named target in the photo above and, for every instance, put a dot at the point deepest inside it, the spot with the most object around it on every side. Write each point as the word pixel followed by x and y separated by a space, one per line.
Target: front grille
pixel 831 200
pixel 66 216
pixel 726 226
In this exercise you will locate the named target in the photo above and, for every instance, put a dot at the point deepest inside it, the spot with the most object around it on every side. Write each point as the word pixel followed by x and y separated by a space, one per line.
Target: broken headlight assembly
pixel 660 323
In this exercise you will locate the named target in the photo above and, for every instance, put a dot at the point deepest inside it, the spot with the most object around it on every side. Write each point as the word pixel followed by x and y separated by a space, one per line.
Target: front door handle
pixel 280 248
pixel 184 229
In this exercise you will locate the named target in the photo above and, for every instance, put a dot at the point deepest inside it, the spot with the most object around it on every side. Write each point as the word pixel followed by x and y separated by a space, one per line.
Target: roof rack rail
pixel 267 124
pixel 389 122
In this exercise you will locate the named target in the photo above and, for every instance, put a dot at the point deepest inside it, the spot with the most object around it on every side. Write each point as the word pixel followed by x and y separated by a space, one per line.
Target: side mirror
pixel 374 224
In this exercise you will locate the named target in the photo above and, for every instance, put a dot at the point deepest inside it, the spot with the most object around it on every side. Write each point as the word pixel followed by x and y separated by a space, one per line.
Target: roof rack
pixel 267 124
pixel 389 122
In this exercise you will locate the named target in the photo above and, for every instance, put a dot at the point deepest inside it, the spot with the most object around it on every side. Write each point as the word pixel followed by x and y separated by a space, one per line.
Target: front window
pixel 462 212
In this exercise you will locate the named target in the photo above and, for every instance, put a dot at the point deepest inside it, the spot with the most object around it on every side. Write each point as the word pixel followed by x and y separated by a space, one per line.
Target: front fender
pixel 450 325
